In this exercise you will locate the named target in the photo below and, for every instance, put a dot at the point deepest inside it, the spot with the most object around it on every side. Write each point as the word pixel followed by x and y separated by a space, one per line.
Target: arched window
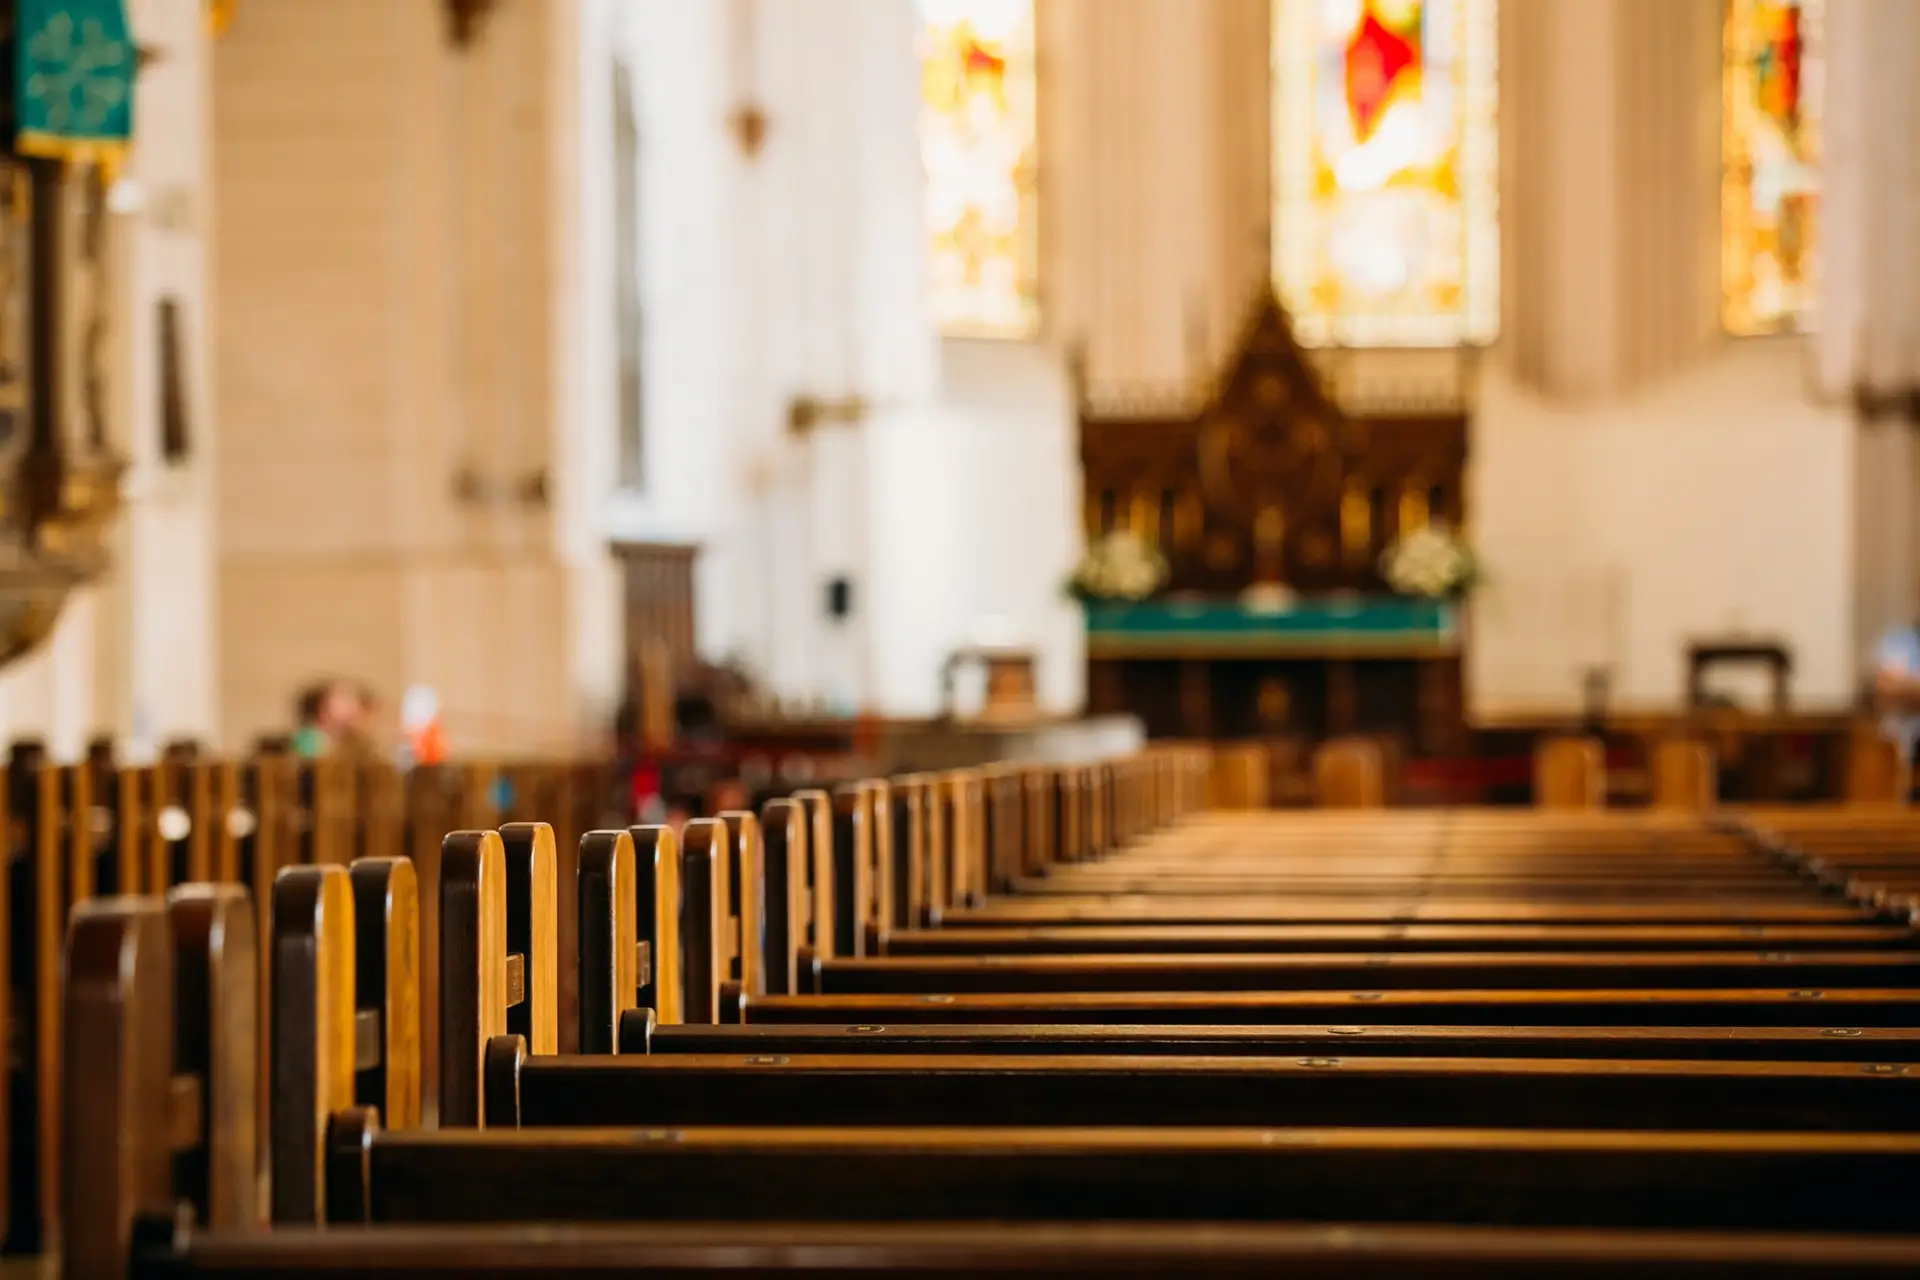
pixel 1386 201
pixel 978 140
pixel 1771 84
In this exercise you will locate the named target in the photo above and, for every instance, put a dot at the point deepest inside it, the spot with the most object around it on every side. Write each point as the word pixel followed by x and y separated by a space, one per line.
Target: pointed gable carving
pixel 1269 481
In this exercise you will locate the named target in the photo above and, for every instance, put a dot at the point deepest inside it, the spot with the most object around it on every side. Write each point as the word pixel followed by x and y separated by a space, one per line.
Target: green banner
pixel 74 78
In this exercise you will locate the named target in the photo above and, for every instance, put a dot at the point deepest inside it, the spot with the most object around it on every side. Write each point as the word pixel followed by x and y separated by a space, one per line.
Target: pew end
pixel 783 847
pixel 533 923
pixel 1684 776
pixel 662 959
pixel 817 805
pixel 705 924
pixel 474 967
pixel 1570 774
pixel 159 1104
pixel 1349 773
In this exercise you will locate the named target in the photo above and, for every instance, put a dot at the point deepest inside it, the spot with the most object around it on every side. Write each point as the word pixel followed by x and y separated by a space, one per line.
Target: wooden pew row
pixel 1810 1043
pixel 1203 909
pixel 246 822
pixel 93 827
pixel 977 1092
pixel 1827 976
pixel 962 940
pixel 1870 855
pixel 492 1252
pixel 1771 1007
pixel 1079 968
pixel 665 1029
pixel 524 1084
pixel 930 991
pixel 1444 1175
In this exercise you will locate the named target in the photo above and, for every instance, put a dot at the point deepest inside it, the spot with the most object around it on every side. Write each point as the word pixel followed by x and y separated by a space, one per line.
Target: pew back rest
pixel 1570 773
pixel 1877 770
pixel 1349 773
pixel 1684 775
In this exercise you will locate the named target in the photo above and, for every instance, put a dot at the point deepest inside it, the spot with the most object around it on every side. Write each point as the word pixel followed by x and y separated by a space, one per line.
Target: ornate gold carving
pixel 1189 519
pixel 1316 550
pixel 1143 514
pixel 1271 437
pixel 1356 523
pixel 1269 530
pixel 1273 702
pixel 1413 505
pixel 64 480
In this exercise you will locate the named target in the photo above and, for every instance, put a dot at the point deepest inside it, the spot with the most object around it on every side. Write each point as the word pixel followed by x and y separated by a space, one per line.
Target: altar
pixel 1316 667
pixel 1272 505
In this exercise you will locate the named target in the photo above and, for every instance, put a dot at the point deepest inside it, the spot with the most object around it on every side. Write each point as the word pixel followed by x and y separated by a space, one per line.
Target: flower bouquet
pixel 1119 566
pixel 1430 562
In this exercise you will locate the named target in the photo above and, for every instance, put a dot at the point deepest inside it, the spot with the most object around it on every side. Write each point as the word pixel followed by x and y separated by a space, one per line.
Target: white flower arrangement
pixel 1431 562
pixel 1119 566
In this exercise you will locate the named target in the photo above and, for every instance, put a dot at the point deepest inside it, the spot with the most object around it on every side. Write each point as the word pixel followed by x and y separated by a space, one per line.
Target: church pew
pixel 764 1089
pixel 164 1248
pixel 1746 1006
pixel 1195 909
pixel 1441 1175
pixel 1383 970
pixel 323 935
pixel 159 1024
pixel 1797 1181
pixel 345 940
pixel 1051 1150
pixel 524 1088
pixel 1570 773
pixel 1893 1044
pixel 98 826
pixel 1401 939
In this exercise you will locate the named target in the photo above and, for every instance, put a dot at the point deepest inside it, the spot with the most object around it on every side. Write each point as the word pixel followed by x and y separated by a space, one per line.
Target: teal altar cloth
pixel 73 78
pixel 1310 627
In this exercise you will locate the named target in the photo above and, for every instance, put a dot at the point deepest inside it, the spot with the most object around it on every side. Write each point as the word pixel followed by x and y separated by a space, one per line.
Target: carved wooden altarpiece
pixel 1271 484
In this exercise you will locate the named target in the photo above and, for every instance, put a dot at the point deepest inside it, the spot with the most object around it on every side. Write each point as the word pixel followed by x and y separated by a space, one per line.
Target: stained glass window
pixel 1771 82
pixel 977 140
pixel 1386 226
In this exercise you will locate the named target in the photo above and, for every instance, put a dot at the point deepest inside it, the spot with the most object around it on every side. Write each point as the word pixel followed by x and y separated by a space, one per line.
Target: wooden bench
pixel 493 1252
pixel 1577 1113
pixel 123 1011
pixel 525 1085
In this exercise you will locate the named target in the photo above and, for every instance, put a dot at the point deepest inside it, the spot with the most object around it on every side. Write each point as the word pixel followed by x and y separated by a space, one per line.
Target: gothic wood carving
pixel 1270 482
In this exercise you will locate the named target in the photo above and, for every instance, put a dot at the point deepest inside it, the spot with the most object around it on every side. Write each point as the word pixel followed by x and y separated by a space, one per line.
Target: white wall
pixel 796 272
pixel 395 305
pixel 1715 503
pixel 976 526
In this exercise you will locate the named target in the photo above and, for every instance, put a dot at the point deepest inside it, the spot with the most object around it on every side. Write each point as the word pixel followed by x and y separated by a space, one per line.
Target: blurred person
pixel 1896 683
pixel 426 741
pixel 352 719
pixel 331 716
pixel 637 776
pixel 310 737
